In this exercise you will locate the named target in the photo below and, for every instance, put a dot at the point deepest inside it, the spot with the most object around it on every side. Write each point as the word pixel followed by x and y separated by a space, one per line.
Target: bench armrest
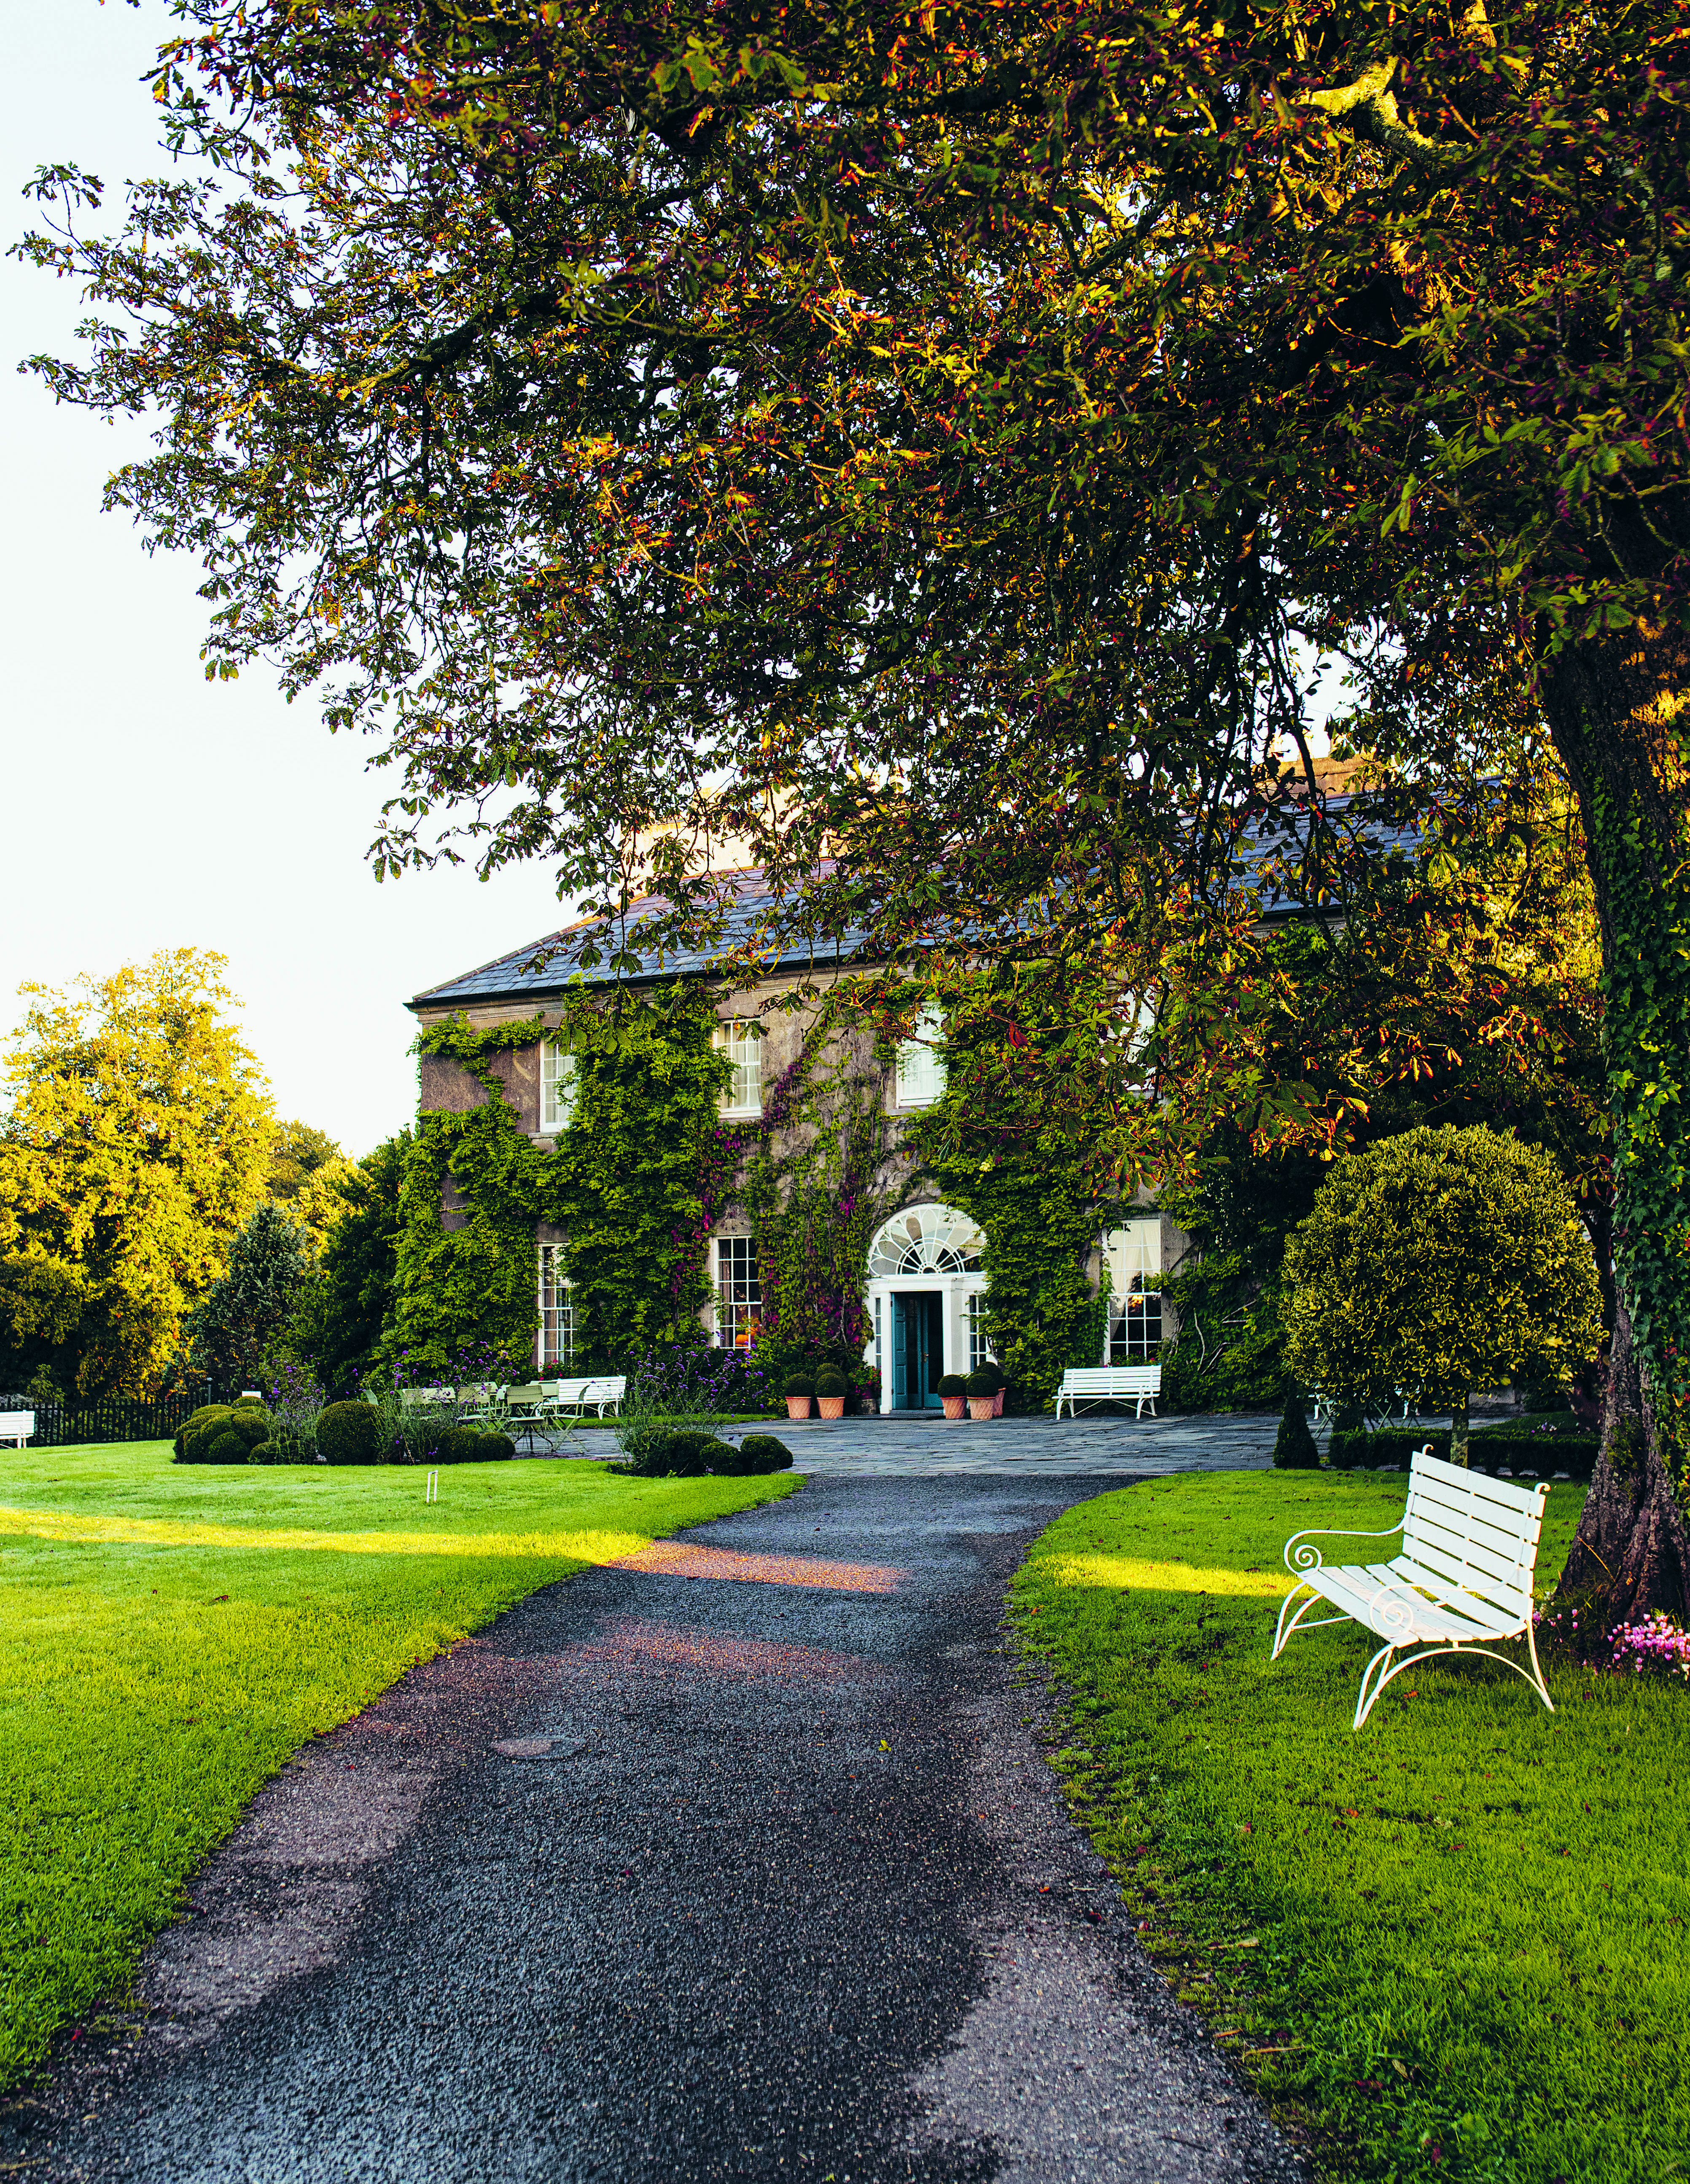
pixel 1301 1554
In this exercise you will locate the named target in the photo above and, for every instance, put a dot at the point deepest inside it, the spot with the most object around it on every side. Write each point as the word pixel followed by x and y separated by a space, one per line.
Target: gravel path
pixel 739 1861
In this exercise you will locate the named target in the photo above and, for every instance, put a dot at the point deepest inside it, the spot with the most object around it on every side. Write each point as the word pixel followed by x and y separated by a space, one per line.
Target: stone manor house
pixel 924 1279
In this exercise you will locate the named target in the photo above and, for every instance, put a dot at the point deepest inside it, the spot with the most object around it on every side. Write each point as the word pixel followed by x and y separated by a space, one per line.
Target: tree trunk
pixel 1632 1553
pixel 1616 707
pixel 1458 1432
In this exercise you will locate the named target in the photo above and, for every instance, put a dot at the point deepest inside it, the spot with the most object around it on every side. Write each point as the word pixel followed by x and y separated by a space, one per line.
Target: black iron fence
pixel 73 1424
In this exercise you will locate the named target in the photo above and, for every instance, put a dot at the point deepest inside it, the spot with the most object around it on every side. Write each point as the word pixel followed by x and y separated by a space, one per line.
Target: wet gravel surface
pixel 739 1861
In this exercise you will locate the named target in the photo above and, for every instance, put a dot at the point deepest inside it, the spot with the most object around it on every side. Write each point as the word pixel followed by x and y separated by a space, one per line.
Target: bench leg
pixel 1289 1623
pixel 1364 1702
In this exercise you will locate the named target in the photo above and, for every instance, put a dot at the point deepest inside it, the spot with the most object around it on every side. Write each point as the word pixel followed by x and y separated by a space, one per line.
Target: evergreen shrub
pixel 955 1384
pixel 660 1452
pixel 980 1384
pixel 801 1384
pixel 496 1448
pixel 199 1430
pixel 830 1381
pixel 351 1433
pixel 757 1454
pixel 267 1452
pixel 229 1447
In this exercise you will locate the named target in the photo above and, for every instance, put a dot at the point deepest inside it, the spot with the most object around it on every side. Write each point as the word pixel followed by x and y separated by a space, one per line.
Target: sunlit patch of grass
pixel 169 1634
pixel 1451 1944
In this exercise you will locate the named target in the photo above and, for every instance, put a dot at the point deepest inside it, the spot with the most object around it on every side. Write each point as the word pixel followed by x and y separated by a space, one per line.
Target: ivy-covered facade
pixel 603 1165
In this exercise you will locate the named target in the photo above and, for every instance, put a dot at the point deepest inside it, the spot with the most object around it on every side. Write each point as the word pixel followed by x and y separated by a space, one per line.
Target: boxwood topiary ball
pixel 267 1452
pixel 457 1444
pixel 351 1433
pixel 756 1454
pixel 830 1381
pixel 495 1448
pixel 253 1426
pixel 229 1447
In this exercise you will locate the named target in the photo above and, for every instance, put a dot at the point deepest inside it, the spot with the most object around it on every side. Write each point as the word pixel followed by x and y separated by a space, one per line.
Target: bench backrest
pixel 601 1384
pixel 1479 1533
pixel 14 1423
pixel 1113 1380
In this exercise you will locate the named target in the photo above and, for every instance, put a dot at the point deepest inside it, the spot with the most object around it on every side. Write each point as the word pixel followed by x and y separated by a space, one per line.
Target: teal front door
pixel 917 1351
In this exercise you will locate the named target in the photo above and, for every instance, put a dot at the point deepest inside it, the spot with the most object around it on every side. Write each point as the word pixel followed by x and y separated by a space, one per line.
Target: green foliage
pixel 351 1433
pixel 1229 1353
pixel 199 1430
pixel 346 1306
pixel 1441 1261
pixel 298 1152
pixel 1294 1445
pixel 830 1382
pixel 248 1308
pixel 1450 1914
pixel 663 1452
pixel 150 1685
pixel 42 1302
pixel 133 1147
pixel 1012 1163
pixel 812 1169
pixel 979 1384
pixel 800 1384
pixel 954 1384
pixel 228 1448
pixel 757 1456
pixel 623 1183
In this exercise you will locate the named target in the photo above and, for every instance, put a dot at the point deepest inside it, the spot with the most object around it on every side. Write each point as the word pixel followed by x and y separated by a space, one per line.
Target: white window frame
pixel 741 1039
pixel 1133 1255
pixel 555 1343
pixel 739 1292
pixel 974 1323
pixel 922 1074
pixel 559 1084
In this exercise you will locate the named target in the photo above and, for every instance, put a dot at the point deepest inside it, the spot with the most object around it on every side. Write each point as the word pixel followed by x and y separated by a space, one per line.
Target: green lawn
pixel 1453 1944
pixel 169 1633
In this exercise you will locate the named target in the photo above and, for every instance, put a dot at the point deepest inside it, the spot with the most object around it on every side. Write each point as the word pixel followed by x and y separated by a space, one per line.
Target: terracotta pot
pixel 982 1406
pixel 831 1406
pixel 997 1402
pixel 956 1407
pixel 798 1406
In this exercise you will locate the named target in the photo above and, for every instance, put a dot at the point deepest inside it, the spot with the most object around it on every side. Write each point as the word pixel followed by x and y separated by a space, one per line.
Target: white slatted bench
pixel 571 1398
pixel 17 1426
pixel 1104 1384
pixel 1462 1582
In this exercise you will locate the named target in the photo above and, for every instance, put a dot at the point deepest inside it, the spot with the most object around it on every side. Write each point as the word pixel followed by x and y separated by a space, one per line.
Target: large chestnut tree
pixel 937 444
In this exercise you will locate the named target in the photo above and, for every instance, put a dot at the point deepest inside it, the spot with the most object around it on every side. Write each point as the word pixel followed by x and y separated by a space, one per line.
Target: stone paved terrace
pixel 1098 1443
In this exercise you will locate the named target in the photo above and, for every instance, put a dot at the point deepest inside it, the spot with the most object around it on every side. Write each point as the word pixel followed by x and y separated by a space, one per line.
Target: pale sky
pixel 141 807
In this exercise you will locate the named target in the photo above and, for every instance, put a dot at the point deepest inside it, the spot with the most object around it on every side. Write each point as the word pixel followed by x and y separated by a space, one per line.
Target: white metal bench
pixel 17 1426
pixel 1102 1383
pixel 1462 1582
pixel 571 1398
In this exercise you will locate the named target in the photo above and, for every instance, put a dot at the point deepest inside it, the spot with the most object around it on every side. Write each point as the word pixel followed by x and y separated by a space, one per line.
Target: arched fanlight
pixel 926 1239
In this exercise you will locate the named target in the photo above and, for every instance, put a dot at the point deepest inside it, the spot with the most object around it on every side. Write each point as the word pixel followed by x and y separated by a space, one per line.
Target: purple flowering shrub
pixel 1657 1646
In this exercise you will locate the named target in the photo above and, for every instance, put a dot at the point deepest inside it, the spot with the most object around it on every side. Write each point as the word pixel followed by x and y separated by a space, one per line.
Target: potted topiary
pixel 800 1388
pixel 1000 1385
pixel 953 1393
pixel 831 1389
pixel 982 1396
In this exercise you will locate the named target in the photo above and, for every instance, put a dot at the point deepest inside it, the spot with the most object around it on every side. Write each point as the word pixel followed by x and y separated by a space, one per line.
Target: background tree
pixel 346 1310
pixel 948 439
pixel 42 1303
pixel 134 1145
pixel 1440 1261
pixel 250 1306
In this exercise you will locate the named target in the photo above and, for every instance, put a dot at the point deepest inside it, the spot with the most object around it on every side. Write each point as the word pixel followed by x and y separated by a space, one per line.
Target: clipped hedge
pixel 686 1452
pixel 221 1432
pixel 351 1433
pixel 1493 1448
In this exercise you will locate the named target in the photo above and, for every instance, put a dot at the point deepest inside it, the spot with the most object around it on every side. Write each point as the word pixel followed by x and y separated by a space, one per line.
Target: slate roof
pixel 545 967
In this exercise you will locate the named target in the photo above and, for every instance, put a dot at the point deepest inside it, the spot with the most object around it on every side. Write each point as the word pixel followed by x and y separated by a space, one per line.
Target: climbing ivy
pixel 622 1182
pixel 1011 1165
pixel 815 1190
pixel 1646 989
